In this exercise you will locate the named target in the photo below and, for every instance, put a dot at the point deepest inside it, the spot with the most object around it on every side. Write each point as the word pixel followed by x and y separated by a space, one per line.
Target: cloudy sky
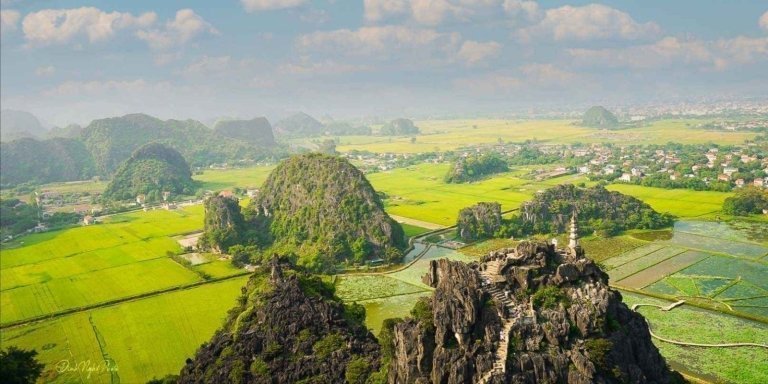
pixel 72 61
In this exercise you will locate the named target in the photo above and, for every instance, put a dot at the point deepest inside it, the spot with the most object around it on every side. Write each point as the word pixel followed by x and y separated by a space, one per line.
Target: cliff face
pixel 288 328
pixel 527 315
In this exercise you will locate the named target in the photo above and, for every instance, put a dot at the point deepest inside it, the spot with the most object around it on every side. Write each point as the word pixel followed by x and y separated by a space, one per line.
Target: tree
pixel 747 201
pixel 19 366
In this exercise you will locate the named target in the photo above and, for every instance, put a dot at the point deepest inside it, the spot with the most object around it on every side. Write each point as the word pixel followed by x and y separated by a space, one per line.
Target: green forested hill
pixel 299 125
pixel 41 161
pixel 256 131
pixel 112 140
pixel 324 210
pixel 151 170
pixel 599 117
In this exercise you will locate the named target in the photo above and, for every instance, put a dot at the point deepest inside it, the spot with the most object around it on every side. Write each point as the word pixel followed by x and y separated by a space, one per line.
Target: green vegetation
pixel 399 127
pixel 598 210
pixel 599 117
pixel 677 202
pixel 479 221
pixel 322 210
pixel 747 201
pixel 299 125
pixel 127 334
pixel 549 297
pixel 474 167
pixel 257 131
pixel 151 171
pixel 43 161
pixel 327 345
pixel 18 366
pixel 224 225
pixel 598 350
pixel 687 324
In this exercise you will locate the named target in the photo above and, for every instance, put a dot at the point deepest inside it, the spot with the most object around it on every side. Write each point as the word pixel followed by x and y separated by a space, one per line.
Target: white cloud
pixel 763 22
pixel 326 67
pixel 207 65
pixel 672 51
pixel 183 28
pixel 382 41
pixel 435 12
pixel 529 78
pixel 589 22
pixel 45 71
pixel 61 26
pixel 97 87
pixel 269 5
pixel 9 19
pixel 473 52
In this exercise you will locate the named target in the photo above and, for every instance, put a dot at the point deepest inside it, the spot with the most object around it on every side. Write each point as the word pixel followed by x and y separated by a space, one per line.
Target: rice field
pixel 723 273
pixel 426 197
pixel 124 256
pixel 682 203
pixel 442 135
pixel 745 365
pixel 141 339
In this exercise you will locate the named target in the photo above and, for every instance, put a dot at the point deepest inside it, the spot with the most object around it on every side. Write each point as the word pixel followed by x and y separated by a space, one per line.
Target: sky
pixel 73 61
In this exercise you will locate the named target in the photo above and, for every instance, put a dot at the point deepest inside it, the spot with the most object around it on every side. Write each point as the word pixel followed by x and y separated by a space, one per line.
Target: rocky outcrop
pixel 287 328
pixel 481 220
pixel 531 314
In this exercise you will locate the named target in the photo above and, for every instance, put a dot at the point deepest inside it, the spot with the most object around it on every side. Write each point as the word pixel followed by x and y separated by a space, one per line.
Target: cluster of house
pixel 637 163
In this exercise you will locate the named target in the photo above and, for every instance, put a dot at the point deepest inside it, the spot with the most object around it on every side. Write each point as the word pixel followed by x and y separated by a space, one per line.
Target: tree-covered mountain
pixel 323 209
pixel 71 131
pixel 299 125
pixel 599 117
pixel 479 221
pixel 287 327
pixel 41 161
pixel 19 124
pixel 151 170
pixel 223 225
pixel 399 127
pixel 112 140
pixel 474 167
pixel 257 131
pixel 597 209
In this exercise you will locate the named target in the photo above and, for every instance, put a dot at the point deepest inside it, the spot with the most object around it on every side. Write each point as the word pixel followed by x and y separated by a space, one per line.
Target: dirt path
pixel 418 223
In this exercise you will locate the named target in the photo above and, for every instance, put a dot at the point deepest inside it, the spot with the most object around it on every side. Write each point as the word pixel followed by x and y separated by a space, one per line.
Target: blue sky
pixel 72 61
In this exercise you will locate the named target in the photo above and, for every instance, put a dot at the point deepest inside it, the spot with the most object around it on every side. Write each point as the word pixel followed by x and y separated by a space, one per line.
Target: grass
pixel 146 338
pixel 426 197
pixel 599 249
pixel 357 288
pixel 125 256
pixel 442 135
pixel 732 365
pixel 484 247
pixel 218 179
pixel 679 202
pixel 413 230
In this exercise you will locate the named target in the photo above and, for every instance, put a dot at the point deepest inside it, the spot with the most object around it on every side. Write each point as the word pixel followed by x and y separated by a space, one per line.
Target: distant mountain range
pixel 98 149
pixel 19 124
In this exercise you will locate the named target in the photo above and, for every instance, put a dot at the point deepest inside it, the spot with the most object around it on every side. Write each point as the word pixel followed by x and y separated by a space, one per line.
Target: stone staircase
pixel 490 276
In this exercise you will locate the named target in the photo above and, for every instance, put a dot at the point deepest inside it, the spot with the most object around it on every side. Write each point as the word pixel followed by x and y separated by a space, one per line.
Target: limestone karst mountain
pixel 287 328
pixel 531 314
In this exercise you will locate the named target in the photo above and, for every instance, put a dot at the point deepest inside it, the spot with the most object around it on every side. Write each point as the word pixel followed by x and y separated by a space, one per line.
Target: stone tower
pixel 573 242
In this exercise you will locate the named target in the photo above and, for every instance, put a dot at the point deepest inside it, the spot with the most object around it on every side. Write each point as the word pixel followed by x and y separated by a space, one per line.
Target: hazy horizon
pixel 74 61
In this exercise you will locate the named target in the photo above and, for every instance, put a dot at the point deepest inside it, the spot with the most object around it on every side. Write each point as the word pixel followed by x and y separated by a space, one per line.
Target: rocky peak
pixel 532 313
